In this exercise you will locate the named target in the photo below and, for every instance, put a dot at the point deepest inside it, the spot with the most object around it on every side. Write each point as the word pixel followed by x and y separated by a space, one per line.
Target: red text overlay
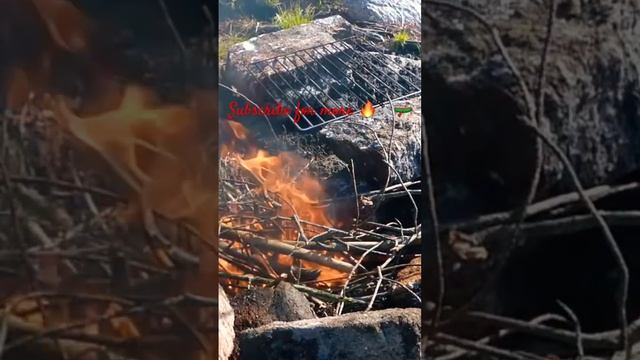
pixel 248 109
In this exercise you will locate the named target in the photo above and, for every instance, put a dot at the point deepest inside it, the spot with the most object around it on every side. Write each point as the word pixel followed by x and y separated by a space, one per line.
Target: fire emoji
pixel 368 110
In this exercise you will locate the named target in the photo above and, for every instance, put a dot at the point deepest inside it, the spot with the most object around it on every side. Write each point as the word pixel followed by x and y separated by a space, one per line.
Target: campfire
pixel 302 243
pixel 108 243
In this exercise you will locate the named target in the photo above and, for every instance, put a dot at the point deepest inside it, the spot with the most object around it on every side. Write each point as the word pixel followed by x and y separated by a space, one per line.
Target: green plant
pixel 401 38
pixel 294 15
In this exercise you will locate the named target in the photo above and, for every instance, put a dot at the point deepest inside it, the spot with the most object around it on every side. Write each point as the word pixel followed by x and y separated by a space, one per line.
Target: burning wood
pixel 109 245
pixel 281 221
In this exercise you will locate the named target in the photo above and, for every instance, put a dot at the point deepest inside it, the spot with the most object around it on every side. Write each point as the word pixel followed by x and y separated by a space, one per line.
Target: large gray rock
pixel 395 12
pixel 274 44
pixel 261 306
pixel 482 159
pixel 226 334
pixel 362 140
pixel 386 334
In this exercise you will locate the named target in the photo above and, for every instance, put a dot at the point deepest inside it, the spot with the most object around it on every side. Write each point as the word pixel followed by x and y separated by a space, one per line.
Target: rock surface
pixel 283 42
pixel 226 334
pixel 386 334
pixel 357 138
pixel 262 306
pixel 483 160
pixel 385 11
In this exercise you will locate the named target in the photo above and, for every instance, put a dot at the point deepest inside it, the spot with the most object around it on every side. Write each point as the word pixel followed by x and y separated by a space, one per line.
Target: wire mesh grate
pixel 344 74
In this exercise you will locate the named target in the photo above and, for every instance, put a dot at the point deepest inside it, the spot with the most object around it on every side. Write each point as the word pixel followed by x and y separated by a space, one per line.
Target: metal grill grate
pixel 341 74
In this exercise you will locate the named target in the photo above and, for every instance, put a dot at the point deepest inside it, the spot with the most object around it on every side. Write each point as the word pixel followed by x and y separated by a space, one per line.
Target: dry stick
pixel 175 32
pixel 16 229
pixel 355 190
pixel 623 286
pixel 435 231
pixel 595 193
pixel 346 283
pixel 576 223
pixel 501 334
pixel 74 345
pixel 538 113
pixel 624 281
pixel 279 247
pixel 413 201
pixel 576 322
pixel 327 296
pixel 416 296
pixel 390 149
pixel 64 331
pixel 375 292
pixel 385 153
pixel 378 193
pixel 67 185
pixel 486 349
pixel 598 341
pixel 235 91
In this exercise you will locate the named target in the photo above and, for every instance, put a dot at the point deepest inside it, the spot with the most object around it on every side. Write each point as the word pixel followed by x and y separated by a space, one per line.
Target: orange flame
pixel 277 174
pixel 239 131
pixel 157 149
pixel 300 195
pixel 152 148
pixel 368 110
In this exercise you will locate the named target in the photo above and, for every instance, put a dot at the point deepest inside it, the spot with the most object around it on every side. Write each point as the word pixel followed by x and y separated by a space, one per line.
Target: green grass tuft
pixel 293 16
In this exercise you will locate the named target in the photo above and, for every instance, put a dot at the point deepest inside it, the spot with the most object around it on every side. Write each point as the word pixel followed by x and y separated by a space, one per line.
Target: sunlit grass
pixel 294 16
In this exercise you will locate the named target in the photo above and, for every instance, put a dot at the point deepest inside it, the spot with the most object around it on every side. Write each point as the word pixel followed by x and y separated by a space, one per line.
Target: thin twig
pixel 327 296
pixel 566 200
pixel 286 249
pixel 173 28
pixel 355 191
pixel 576 322
pixel 375 292
pixel 434 227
